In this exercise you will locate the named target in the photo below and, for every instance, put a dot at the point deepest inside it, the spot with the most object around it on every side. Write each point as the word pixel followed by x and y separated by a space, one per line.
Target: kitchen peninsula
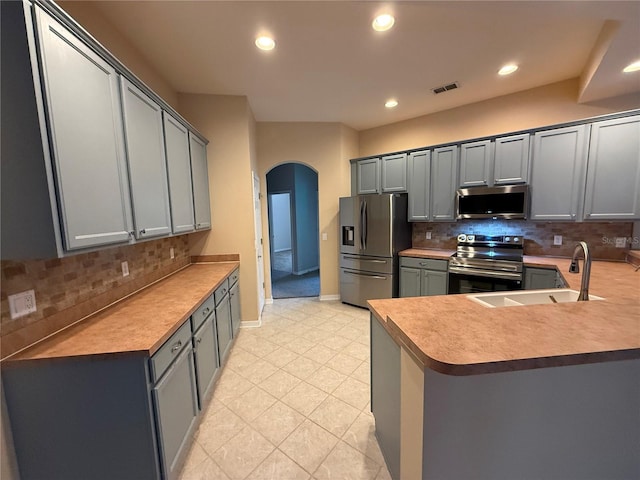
pixel 460 390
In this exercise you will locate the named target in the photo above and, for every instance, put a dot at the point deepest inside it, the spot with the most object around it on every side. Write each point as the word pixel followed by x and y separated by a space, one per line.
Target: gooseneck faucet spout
pixel 586 269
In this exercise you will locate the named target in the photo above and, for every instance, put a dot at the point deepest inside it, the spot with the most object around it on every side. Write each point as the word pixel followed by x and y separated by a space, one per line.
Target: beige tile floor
pixel 293 400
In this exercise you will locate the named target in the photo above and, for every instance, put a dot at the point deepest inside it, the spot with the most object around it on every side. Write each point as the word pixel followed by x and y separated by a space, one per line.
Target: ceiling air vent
pixel 445 88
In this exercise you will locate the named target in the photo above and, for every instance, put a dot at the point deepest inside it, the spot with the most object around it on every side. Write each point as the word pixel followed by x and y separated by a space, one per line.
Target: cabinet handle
pixel 424 264
pixel 132 233
pixel 143 231
pixel 176 346
pixel 206 310
pixel 198 340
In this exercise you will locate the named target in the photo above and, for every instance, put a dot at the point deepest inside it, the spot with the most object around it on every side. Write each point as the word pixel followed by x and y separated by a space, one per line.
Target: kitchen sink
pixel 527 297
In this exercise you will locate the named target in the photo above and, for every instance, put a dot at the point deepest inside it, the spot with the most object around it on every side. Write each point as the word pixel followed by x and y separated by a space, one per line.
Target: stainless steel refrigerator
pixel 373 229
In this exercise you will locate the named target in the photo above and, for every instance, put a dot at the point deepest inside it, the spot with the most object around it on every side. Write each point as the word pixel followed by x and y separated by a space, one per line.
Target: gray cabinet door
pixel 234 304
pixel 394 173
pixel 476 164
pixel 444 179
pixel 223 328
pixel 409 282
pixel 147 163
pixel 200 176
pixel 85 120
pixel 368 176
pixel 385 394
pixel 511 159
pixel 176 408
pixel 205 348
pixel 613 178
pixel 419 171
pixel 434 283
pixel 558 173
pixel 176 138
pixel 540 278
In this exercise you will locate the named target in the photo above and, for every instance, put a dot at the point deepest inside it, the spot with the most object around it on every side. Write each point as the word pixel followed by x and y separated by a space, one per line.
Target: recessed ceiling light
pixel 507 69
pixel 632 67
pixel 265 43
pixel 391 103
pixel 383 22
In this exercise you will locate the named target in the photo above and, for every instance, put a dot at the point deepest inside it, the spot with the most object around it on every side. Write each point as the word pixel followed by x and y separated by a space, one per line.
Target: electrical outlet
pixel 428 235
pixel 172 253
pixel 125 268
pixel 557 239
pixel 621 242
pixel 22 304
pixel 324 235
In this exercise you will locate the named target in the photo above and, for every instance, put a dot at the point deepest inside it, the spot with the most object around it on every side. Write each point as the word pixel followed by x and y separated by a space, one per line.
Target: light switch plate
pixel 428 235
pixel 22 304
pixel 324 235
pixel 125 268
pixel 172 253
pixel 557 239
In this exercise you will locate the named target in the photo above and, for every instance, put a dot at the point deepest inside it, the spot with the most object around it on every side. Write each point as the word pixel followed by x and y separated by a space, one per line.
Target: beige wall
pixel 325 147
pixel 555 103
pixel 92 20
pixel 227 122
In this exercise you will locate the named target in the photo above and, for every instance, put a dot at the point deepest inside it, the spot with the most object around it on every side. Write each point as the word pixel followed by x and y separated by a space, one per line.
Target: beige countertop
pixel 139 324
pixel 452 334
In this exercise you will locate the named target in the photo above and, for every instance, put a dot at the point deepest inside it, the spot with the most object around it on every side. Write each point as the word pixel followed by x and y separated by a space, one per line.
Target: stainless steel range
pixel 486 263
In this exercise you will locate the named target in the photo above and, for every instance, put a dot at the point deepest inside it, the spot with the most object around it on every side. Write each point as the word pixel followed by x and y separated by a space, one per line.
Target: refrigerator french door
pixel 373 229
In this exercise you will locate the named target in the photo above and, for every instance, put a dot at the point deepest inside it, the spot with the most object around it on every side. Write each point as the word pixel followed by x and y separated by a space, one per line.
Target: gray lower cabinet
pixel 83 106
pixel 176 405
pixel 613 174
pixel 368 176
pixel 542 278
pixel 423 277
pixel 144 139
pixel 176 138
pixel 234 304
pixel 385 395
pixel 223 324
pixel 205 349
pixel 394 173
pixel 433 177
pixel 558 173
pixel 200 180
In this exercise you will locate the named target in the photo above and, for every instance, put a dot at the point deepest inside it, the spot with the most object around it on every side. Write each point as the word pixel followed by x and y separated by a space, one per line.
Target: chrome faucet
pixel 586 272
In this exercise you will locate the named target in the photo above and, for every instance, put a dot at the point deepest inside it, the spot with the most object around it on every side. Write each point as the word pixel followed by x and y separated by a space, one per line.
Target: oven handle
pixel 484 273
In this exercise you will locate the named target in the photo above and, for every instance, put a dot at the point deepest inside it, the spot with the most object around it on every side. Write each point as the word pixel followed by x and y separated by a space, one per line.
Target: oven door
pixel 473 281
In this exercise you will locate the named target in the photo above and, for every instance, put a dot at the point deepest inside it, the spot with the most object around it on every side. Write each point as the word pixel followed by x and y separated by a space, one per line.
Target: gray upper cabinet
pixel 146 161
pixel 511 159
pixel 85 121
pixel 476 164
pixel 558 173
pixel 394 173
pixel 368 176
pixel 444 178
pixel 176 138
pixel 613 178
pixel 419 182
pixel 200 177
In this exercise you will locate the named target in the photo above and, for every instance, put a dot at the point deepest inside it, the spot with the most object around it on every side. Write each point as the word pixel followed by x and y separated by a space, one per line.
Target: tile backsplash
pixel 538 236
pixel 71 288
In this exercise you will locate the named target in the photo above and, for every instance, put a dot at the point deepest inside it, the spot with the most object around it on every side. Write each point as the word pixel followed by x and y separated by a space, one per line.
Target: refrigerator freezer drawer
pixel 356 287
pixel 370 264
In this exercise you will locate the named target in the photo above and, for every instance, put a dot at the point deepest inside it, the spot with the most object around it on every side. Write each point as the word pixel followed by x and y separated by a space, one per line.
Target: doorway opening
pixel 292 201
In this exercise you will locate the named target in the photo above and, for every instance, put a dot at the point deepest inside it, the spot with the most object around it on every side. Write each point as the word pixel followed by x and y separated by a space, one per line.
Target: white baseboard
pixel 251 324
pixel 327 298
pixel 268 301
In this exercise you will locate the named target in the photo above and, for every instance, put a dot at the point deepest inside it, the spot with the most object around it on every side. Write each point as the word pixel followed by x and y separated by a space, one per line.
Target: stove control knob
pixel 462 237
pixel 471 238
pixel 508 239
pixel 516 239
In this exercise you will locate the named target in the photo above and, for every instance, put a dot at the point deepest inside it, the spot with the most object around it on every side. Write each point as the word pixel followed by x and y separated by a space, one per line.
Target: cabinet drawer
pixel 168 352
pixel 203 311
pixel 221 291
pixel 233 278
pixel 428 263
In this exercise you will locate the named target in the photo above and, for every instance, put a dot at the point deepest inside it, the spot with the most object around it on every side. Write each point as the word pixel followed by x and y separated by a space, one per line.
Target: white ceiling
pixel 330 66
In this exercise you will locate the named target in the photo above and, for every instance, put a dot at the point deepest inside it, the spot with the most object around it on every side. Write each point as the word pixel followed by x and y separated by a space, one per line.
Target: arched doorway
pixel 292 200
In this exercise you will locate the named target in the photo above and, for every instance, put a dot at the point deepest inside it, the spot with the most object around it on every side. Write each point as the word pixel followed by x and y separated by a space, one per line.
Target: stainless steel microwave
pixel 509 201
